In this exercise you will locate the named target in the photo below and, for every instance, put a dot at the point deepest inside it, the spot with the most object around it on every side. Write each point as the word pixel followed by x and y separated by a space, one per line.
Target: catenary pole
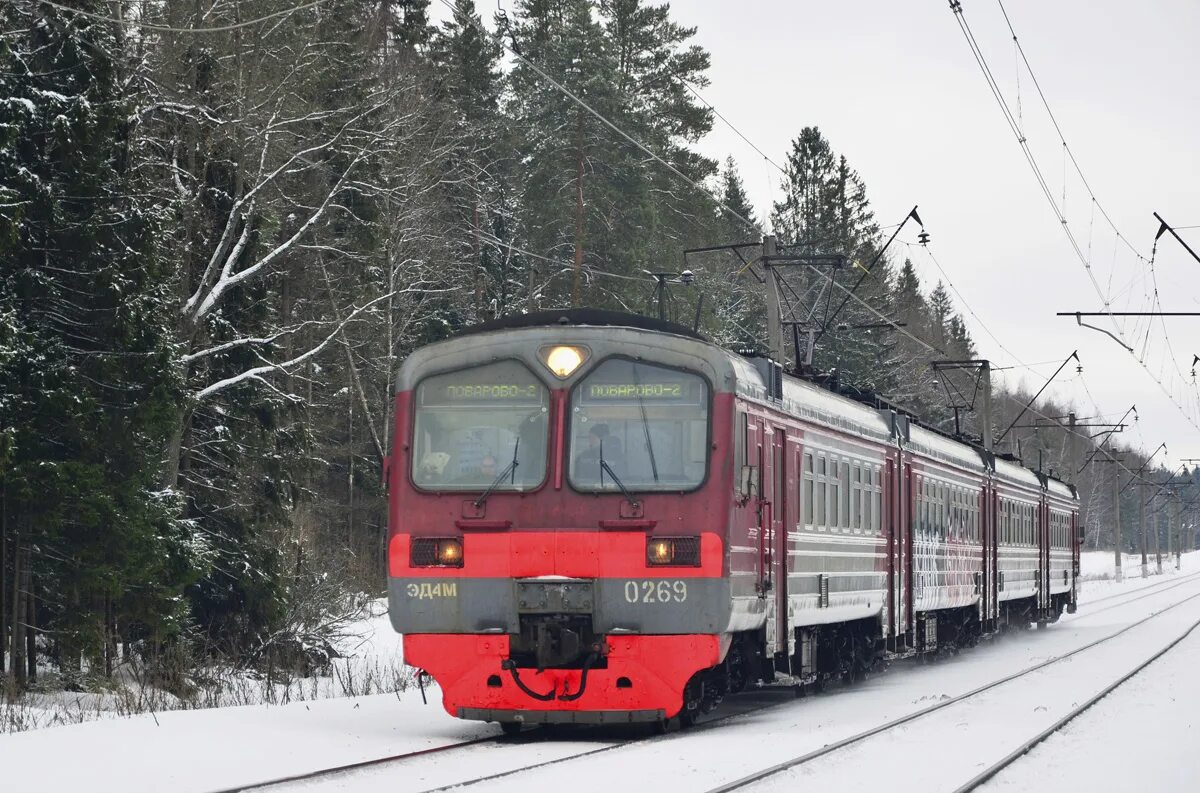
pixel 774 319
pixel 1142 532
pixel 1116 522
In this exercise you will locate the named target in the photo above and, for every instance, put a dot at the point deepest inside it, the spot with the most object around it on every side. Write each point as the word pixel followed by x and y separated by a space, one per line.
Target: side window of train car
pixel 921 506
pixel 834 499
pixel 856 497
pixel 877 480
pixel 819 501
pixel 943 498
pixel 807 487
pixel 845 477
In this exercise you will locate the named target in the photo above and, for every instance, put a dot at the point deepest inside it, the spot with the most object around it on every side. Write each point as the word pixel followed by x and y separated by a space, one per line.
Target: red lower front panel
pixel 643 674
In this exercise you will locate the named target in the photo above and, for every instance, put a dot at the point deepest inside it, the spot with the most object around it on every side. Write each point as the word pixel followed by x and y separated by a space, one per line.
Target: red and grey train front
pixel 556 548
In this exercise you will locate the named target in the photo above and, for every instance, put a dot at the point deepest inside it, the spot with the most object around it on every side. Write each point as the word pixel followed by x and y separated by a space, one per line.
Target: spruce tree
pixel 825 211
pixel 88 399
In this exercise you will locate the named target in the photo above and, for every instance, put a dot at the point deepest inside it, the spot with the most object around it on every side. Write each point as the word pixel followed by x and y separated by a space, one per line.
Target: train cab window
pixel 473 424
pixel 807 495
pixel 644 425
pixel 740 427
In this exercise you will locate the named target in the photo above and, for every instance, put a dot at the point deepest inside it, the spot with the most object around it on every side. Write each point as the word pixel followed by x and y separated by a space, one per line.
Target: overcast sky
pixel 894 87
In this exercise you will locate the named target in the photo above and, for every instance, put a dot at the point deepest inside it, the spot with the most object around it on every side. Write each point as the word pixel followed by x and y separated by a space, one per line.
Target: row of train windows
pixel 1016 523
pixel 946 511
pixel 841 494
pixel 1060 529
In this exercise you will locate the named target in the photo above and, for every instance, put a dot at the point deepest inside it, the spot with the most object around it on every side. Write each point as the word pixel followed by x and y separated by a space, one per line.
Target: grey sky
pixel 895 88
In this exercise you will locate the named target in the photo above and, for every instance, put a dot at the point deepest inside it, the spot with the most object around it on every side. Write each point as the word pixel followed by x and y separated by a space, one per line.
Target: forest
pixel 224 224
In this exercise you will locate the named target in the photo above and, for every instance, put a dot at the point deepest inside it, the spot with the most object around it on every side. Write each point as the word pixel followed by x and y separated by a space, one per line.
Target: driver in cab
pixel 601 446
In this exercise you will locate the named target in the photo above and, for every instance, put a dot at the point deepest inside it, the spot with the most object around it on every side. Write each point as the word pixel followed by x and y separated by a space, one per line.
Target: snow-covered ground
pixel 369 661
pixel 205 750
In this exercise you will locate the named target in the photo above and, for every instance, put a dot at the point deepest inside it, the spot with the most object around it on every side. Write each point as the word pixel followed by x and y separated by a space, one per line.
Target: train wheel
pixel 511 727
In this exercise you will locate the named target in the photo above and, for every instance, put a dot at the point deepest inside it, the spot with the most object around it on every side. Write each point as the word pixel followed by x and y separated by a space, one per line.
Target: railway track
pixel 1071 715
pixel 361 764
pixel 1139 594
pixel 1155 586
pixel 529 737
pixel 859 738
pixel 784 698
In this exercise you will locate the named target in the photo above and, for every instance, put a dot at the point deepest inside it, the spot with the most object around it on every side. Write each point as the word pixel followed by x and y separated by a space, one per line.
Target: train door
pixel 909 512
pixel 899 479
pixel 1043 535
pixel 774 543
pixel 985 557
pixel 991 552
pixel 758 500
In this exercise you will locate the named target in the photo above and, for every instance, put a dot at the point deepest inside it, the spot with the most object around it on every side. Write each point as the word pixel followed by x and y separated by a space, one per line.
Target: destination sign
pixel 481 393
pixel 675 393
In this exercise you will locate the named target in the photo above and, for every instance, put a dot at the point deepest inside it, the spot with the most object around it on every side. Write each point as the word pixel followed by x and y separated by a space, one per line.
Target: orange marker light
pixel 450 552
pixel 660 552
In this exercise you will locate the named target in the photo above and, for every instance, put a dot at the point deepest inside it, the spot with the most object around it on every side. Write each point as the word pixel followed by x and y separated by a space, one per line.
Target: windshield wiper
pixel 510 468
pixel 604 466
pixel 645 424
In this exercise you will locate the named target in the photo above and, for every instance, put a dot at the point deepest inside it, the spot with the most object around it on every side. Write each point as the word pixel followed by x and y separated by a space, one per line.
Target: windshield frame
pixel 568 416
pixel 501 489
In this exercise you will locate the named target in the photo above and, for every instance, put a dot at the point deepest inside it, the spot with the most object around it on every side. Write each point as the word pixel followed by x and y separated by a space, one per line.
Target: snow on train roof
pixel 937 445
pixel 1018 474
pixel 1060 489
pixel 813 402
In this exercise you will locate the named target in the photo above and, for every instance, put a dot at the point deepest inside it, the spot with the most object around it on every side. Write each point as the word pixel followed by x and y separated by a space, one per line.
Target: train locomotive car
pixel 601 518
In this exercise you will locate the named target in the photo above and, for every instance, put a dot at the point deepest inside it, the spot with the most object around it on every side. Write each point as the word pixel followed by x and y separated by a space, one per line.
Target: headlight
pixel 673 551
pixel 437 552
pixel 563 359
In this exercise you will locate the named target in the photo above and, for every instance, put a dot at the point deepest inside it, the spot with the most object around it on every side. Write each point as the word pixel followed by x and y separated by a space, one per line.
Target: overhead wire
pixel 1062 138
pixel 1018 132
pixel 934 348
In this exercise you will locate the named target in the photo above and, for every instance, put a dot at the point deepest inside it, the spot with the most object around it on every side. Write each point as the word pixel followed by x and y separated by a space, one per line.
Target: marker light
pixel 659 552
pixel 437 552
pixel 673 551
pixel 563 359
pixel 450 553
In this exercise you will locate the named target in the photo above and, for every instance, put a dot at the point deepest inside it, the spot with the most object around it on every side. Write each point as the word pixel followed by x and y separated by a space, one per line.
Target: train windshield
pixel 638 426
pixel 481 426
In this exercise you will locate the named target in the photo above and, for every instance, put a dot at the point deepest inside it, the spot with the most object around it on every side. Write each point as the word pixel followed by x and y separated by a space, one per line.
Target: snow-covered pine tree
pixel 86 377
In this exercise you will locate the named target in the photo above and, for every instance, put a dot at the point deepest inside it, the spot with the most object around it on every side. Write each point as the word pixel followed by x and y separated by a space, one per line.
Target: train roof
pixel 594 317
pixel 869 416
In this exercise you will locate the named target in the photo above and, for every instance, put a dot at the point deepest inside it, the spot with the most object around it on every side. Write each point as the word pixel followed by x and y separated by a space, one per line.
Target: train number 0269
pixel 656 591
